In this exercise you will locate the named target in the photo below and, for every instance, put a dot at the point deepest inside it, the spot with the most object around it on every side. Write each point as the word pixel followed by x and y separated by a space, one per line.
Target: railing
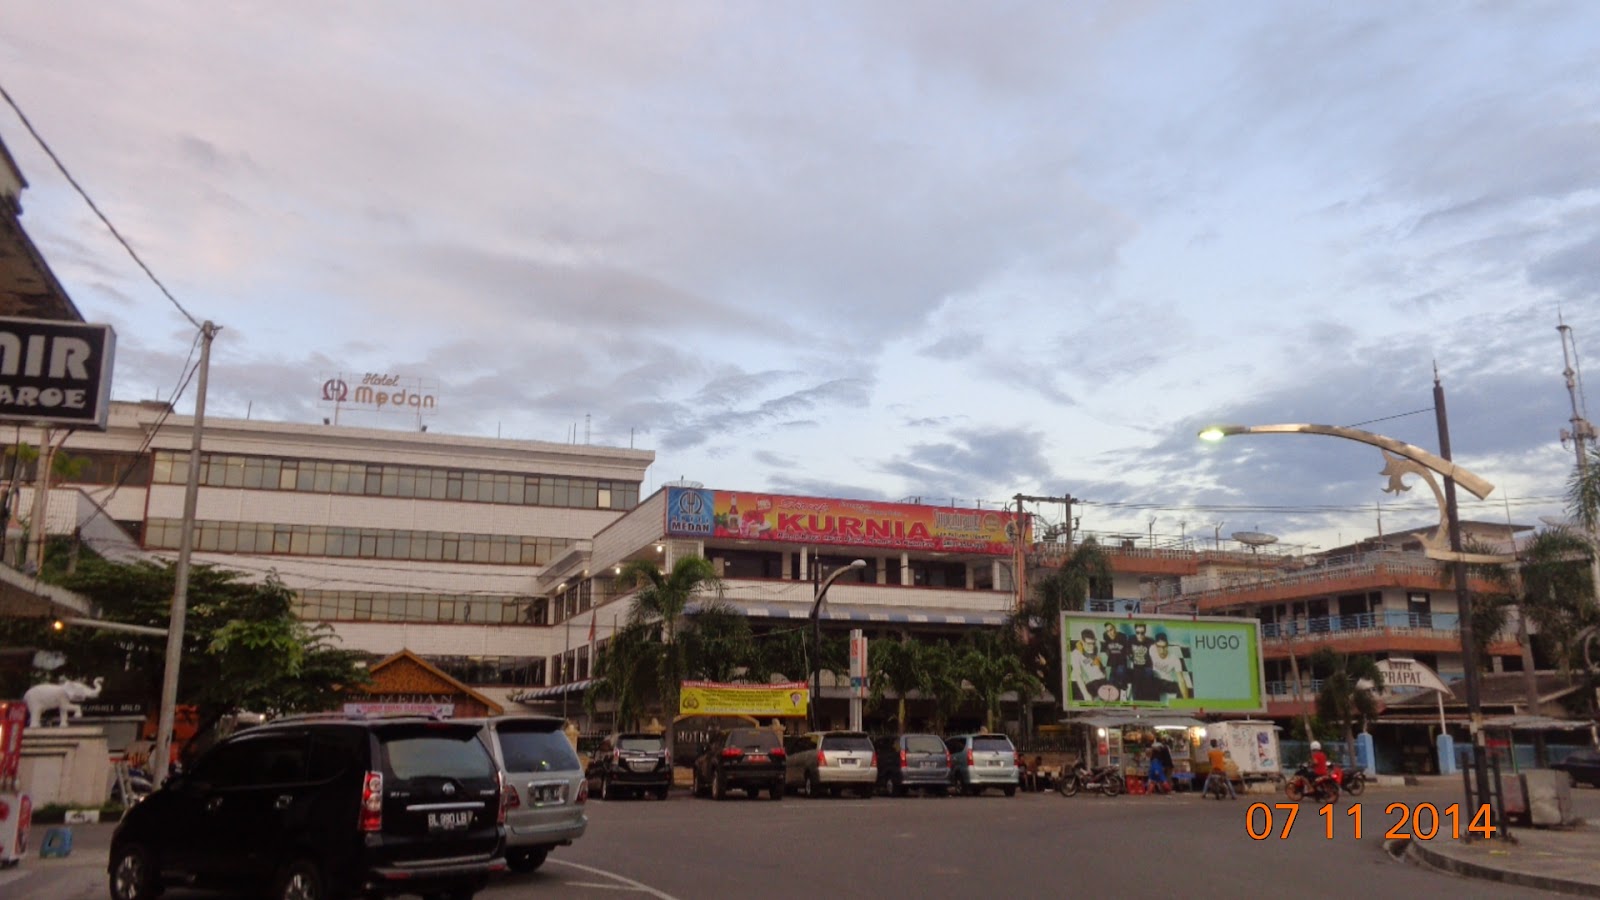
pixel 1387 622
pixel 1285 689
pixel 1391 563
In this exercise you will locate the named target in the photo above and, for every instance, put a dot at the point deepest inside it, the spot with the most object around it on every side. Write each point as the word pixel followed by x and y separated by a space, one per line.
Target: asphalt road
pixel 1031 845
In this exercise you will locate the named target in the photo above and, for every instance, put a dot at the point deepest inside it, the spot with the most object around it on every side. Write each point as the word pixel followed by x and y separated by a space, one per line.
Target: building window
pixel 364 543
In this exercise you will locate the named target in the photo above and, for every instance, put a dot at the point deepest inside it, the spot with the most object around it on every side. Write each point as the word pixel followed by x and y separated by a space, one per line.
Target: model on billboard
pixel 1089 679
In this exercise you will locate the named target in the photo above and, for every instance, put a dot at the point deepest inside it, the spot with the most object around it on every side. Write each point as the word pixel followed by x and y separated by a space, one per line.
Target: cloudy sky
pixel 923 249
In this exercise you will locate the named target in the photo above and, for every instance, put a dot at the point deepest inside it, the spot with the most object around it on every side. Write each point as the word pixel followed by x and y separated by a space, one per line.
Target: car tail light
pixel 947 759
pixel 732 753
pixel 372 802
pixel 507 794
pixel 822 758
pixel 969 757
pixel 902 757
pixel 583 791
pixel 513 799
pixel 875 759
pixel 778 753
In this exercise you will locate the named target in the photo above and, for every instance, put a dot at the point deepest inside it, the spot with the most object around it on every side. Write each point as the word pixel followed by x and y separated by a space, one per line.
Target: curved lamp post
pixel 1401 459
pixel 819 592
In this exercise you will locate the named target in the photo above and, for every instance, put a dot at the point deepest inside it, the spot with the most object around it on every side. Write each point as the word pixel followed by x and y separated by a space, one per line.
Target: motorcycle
pixel 1352 781
pixel 1106 779
pixel 1305 785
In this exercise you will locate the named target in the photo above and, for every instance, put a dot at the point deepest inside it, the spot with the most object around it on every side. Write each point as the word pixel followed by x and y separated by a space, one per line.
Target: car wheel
pixel 719 787
pixel 134 874
pixel 526 860
pixel 1011 790
pixel 299 880
pixel 813 785
pixel 606 793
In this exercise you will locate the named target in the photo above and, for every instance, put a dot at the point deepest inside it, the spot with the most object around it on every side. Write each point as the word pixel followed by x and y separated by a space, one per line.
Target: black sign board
pixel 55 373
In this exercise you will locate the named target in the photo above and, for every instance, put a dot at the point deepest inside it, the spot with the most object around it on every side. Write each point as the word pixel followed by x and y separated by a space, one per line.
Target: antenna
pixel 1581 431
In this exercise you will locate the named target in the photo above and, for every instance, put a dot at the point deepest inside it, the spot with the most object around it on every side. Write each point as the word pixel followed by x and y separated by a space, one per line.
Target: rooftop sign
pixel 55 373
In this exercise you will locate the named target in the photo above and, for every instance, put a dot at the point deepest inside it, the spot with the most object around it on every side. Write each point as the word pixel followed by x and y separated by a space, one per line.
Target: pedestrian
pixel 1160 769
pixel 1218 779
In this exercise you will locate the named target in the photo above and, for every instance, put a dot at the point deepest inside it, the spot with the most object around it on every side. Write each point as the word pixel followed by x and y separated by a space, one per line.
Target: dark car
pixel 913 761
pixel 1583 766
pixel 631 763
pixel 747 759
pixel 322 807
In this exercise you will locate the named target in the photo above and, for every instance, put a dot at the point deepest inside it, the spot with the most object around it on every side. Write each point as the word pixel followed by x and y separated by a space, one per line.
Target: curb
pixel 1435 860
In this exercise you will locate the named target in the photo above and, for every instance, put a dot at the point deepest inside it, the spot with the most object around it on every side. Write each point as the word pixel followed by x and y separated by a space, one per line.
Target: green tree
pixel 626 673
pixel 1556 592
pixel 897 665
pixel 1346 696
pixel 244 649
pixel 1084 574
pixel 946 682
pixel 664 598
pixel 992 666
pixel 717 643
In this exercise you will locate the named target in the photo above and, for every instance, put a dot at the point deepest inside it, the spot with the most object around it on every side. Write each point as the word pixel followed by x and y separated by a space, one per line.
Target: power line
pixel 89 200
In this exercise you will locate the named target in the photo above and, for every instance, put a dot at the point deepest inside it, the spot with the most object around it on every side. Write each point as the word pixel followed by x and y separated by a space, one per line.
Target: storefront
pixel 1126 740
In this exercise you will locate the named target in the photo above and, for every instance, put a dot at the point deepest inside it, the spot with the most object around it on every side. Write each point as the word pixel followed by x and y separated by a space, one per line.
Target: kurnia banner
pixel 700 512
pixel 712 698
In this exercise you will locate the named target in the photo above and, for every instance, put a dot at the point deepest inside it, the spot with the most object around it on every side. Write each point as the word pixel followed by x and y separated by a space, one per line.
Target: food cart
pixel 1125 740
pixel 1251 744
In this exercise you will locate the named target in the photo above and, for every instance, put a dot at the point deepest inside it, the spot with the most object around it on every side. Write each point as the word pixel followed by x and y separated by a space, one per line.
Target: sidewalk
pixel 1566 861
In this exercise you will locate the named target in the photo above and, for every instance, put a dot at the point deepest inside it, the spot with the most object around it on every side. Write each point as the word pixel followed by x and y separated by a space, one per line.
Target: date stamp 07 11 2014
pixel 1423 821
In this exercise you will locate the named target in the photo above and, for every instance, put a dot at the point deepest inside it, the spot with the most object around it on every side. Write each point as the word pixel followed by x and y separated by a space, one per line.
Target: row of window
pixel 361 543
pixel 270 473
pixel 381 606
pixel 85 467
pixel 517 670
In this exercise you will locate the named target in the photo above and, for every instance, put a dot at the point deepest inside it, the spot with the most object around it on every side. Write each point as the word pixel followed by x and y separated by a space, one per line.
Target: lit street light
pixel 1417 461
pixel 818 593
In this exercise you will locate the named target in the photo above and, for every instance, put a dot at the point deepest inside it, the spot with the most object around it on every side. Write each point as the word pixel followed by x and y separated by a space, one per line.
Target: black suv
pixel 751 759
pixel 632 763
pixel 320 807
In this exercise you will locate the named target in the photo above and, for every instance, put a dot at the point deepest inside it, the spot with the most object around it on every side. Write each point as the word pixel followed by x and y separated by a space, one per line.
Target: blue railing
pixel 1381 621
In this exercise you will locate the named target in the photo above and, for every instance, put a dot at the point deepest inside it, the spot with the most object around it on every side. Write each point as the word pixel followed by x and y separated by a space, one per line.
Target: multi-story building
pixel 400 539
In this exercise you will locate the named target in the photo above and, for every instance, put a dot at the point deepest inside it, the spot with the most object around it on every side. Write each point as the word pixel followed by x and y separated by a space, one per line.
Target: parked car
pixel 832 761
pixel 1583 766
pixel 546 790
pixel 321 806
pixel 910 761
pixel 748 759
pixel 980 761
pixel 630 764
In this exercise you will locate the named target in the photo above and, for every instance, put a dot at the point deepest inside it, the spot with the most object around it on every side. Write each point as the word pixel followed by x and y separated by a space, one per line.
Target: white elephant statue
pixel 63 698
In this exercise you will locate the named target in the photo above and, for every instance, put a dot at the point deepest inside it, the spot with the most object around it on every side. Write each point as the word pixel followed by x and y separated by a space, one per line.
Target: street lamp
pixel 819 591
pixel 1401 459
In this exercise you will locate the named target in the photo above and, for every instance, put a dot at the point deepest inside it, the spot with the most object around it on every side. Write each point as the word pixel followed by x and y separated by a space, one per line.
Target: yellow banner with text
pixel 712 698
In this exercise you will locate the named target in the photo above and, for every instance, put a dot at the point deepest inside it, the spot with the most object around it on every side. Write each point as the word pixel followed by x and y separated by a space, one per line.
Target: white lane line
pixel 638 886
pixel 601 887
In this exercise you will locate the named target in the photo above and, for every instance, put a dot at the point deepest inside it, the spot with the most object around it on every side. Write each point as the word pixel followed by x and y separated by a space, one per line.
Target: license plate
pixel 449 821
pixel 927 764
pixel 849 762
pixel 995 762
pixel 545 793
pixel 642 765
pixel 756 757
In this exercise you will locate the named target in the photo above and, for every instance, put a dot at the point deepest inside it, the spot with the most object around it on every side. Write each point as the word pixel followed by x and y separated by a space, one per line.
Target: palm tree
pixel 1556 587
pixel 991 665
pixel 662 599
pixel 1084 574
pixel 625 673
pixel 1583 492
pixel 897 665
pixel 1348 683
pixel 945 682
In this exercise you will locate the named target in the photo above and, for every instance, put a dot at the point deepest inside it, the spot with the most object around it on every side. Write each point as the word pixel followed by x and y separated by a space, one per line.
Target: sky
pixel 885 250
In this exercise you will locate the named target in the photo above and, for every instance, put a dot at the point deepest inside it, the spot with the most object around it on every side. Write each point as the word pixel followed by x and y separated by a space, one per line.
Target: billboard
pixel 742 515
pixel 1206 663
pixel 55 373
pixel 712 698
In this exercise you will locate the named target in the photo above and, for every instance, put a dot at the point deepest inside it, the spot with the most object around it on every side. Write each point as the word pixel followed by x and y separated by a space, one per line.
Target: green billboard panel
pixel 1205 663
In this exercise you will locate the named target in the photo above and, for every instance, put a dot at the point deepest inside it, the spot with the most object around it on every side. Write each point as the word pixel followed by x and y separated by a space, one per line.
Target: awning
pixel 1535 723
pixel 533 695
pixel 832 612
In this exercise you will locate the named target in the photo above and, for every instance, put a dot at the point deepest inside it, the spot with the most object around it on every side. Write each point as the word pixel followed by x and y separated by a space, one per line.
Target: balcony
pixel 1365 633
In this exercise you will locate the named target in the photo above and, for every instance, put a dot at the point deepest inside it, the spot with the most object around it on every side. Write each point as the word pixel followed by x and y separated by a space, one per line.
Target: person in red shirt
pixel 1319 762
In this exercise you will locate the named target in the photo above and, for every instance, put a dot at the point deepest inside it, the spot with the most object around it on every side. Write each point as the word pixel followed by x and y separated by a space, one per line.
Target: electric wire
pixel 44 145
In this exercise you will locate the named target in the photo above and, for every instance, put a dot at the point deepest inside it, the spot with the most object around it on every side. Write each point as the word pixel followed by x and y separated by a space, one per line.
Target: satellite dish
pixel 1254 538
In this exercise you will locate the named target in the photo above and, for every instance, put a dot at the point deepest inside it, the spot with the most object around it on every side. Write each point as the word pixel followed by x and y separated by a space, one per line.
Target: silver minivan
pixel 545 787
pixel 832 761
pixel 978 761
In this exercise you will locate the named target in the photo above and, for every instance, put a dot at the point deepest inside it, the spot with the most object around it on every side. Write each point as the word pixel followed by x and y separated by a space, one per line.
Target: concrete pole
pixel 180 591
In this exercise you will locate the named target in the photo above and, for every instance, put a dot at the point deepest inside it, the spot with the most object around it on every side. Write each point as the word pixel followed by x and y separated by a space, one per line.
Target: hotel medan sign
pixel 55 373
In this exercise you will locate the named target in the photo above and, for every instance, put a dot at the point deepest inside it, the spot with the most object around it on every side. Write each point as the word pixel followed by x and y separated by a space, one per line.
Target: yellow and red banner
pixel 699 512
pixel 714 698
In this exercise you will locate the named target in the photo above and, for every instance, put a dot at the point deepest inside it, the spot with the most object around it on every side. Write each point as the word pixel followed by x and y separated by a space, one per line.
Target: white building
pixel 400 539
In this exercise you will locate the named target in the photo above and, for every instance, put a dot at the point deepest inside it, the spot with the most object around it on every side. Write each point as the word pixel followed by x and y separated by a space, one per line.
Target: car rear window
pixel 438 756
pixel 647 743
pixel 535 749
pixel 924 743
pixel 992 744
pixel 752 739
pixel 846 742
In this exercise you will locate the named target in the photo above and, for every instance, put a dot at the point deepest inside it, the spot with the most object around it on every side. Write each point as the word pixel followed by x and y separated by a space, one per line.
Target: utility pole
pixel 1021 559
pixel 162 761
pixel 1581 433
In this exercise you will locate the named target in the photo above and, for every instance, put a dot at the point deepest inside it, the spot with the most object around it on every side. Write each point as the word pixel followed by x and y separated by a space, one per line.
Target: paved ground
pixel 1032 845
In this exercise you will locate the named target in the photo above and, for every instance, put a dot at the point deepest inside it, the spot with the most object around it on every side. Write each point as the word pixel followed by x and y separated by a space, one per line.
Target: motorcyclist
pixel 1319 767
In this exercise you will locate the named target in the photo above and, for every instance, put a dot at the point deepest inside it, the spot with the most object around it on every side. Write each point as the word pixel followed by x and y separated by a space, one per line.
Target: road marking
pixel 600 887
pixel 638 886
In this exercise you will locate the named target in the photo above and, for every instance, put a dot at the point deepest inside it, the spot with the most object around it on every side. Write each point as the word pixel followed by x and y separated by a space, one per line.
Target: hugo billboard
pixel 699 512
pixel 55 373
pixel 1207 663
